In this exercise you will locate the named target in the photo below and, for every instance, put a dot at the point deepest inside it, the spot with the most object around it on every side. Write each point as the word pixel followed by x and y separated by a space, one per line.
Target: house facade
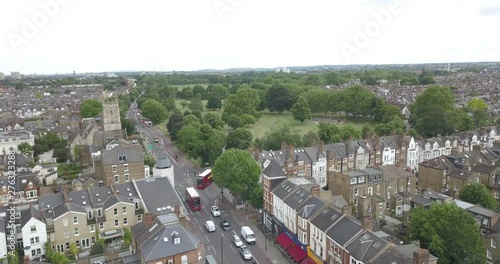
pixel 120 164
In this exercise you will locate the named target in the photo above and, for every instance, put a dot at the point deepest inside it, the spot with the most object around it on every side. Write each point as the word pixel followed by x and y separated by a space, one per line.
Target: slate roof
pixel 274 170
pixel 343 230
pixel 163 163
pixel 157 193
pixel 310 207
pixel 392 172
pixel 156 241
pixel 326 218
pixel 133 153
pixel 392 256
pixel 365 246
pixel 284 189
pixel 298 197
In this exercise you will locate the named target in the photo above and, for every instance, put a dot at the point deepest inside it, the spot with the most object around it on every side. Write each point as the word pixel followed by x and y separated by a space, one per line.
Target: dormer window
pixel 122 158
pixel 30 185
pixel 353 180
pixel 176 238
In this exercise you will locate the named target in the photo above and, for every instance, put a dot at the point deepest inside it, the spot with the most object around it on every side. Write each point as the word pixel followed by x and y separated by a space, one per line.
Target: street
pixel 217 243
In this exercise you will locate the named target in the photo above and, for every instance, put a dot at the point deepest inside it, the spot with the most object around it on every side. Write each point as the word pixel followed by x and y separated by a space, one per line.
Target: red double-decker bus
pixel 193 199
pixel 204 179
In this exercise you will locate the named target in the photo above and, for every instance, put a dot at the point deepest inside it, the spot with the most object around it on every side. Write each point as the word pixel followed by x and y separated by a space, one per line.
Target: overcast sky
pixel 59 36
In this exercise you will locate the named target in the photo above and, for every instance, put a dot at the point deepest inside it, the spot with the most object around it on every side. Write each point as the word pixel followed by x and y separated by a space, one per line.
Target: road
pixel 217 243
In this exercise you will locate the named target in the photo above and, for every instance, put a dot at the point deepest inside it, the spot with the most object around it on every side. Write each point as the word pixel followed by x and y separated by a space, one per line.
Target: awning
pixel 284 241
pixel 308 260
pixel 297 253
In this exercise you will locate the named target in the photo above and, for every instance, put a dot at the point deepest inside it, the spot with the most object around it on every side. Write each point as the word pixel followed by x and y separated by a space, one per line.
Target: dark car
pixel 225 225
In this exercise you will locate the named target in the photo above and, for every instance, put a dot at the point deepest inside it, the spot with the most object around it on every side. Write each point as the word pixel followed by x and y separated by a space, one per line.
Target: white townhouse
pixel 3 238
pixel 33 232
pixel 290 205
pixel 279 195
pixel 318 165
pixel 11 139
pixel 413 155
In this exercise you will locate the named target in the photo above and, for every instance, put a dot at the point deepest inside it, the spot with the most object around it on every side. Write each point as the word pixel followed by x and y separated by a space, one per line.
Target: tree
pixel 318 100
pixel 174 125
pixel 239 138
pixel 477 193
pixel 300 110
pixel 389 111
pixel 213 101
pixel 256 198
pixel 357 100
pixel 277 135
pixel 90 108
pixel 426 77
pixel 196 105
pixel 328 133
pixel 97 247
pixel 154 111
pixel 26 149
pixel 13 257
pixel 434 112
pixel 247 119
pixel 201 141
pixel 214 120
pixel 245 101
pixel 279 98
pixel 127 237
pixel 479 111
pixel 349 132
pixel 149 160
pixel 73 250
pixel 234 121
pixel 237 171
pixel 128 126
pixel 184 104
pixel 169 103
pixel 449 233
pixel 310 139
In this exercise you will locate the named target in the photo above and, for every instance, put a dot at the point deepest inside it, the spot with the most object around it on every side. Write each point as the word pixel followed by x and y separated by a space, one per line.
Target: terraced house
pixel 120 164
pixel 81 216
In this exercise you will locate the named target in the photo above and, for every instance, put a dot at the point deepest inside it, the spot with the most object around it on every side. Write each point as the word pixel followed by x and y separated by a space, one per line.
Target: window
pixel 126 176
pixel 489 255
pixel 124 210
pixel 66 233
pixel 117 178
pixel 353 180
pixel 115 211
pixel 76 231
pixel 75 220
pixel 92 228
pixel 136 205
pixel 370 190
pixel 89 215
pixel 139 218
pixel 122 158
pixel 33 252
pixel 99 212
pixel 355 191
pixel 361 179
pixel 125 221
pixel 31 194
pixel 493 243
pixel 113 168
pixel 117 223
pixel 33 228
pixel 125 167
pixel 101 226
pixel 35 240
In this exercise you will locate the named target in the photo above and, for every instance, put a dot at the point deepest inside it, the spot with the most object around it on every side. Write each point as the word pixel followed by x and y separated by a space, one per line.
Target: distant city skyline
pixel 62 36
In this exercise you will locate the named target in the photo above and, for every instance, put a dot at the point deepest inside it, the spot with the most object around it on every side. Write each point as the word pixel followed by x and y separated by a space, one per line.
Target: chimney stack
pixel 65 194
pixel 256 152
pixel 148 219
pixel 347 210
pixel 421 256
pixel 283 145
pixel 315 190
pixel 476 147
pixel 290 151
pixel 177 210
pixel 367 223
pixel 322 146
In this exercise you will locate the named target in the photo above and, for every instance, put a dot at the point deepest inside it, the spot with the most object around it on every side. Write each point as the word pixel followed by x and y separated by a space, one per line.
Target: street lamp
pixel 221 249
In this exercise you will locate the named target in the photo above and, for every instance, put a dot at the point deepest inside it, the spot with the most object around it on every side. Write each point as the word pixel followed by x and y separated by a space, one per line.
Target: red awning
pixel 297 253
pixel 308 260
pixel 284 241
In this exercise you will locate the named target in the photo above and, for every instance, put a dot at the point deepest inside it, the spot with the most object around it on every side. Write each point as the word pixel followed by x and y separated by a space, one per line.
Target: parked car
pixel 224 224
pixel 210 226
pixel 157 140
pixel 245 253
pixel 215 211
pixel 237 241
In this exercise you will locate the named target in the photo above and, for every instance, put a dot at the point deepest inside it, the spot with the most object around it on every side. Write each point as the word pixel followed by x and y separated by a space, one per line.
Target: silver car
pixel 245 253
pixel 237 241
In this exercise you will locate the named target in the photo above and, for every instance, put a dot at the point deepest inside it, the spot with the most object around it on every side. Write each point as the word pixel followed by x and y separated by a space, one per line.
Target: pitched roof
pixel 157 241
pixel 365 246
pixel 326 218
pixel 310 207
pixel 157 195
pixel 133 154
pixel 274 170
pixel 343 230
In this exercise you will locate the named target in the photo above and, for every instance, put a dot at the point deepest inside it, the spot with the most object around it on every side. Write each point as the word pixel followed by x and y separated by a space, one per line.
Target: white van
pixel 248 235
pixel 210 226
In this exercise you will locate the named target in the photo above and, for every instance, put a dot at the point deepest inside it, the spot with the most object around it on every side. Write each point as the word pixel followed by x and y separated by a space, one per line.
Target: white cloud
pixel 118 35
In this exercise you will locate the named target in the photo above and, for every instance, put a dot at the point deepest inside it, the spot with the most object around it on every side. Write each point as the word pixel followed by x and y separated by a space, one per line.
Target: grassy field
pixel 271 120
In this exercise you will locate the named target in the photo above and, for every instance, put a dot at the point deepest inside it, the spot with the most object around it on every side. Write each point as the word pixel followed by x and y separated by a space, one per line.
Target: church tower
pixel 111 114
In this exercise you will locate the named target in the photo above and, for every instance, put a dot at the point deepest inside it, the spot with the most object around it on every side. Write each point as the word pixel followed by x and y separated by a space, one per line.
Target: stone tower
pixel 111 114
